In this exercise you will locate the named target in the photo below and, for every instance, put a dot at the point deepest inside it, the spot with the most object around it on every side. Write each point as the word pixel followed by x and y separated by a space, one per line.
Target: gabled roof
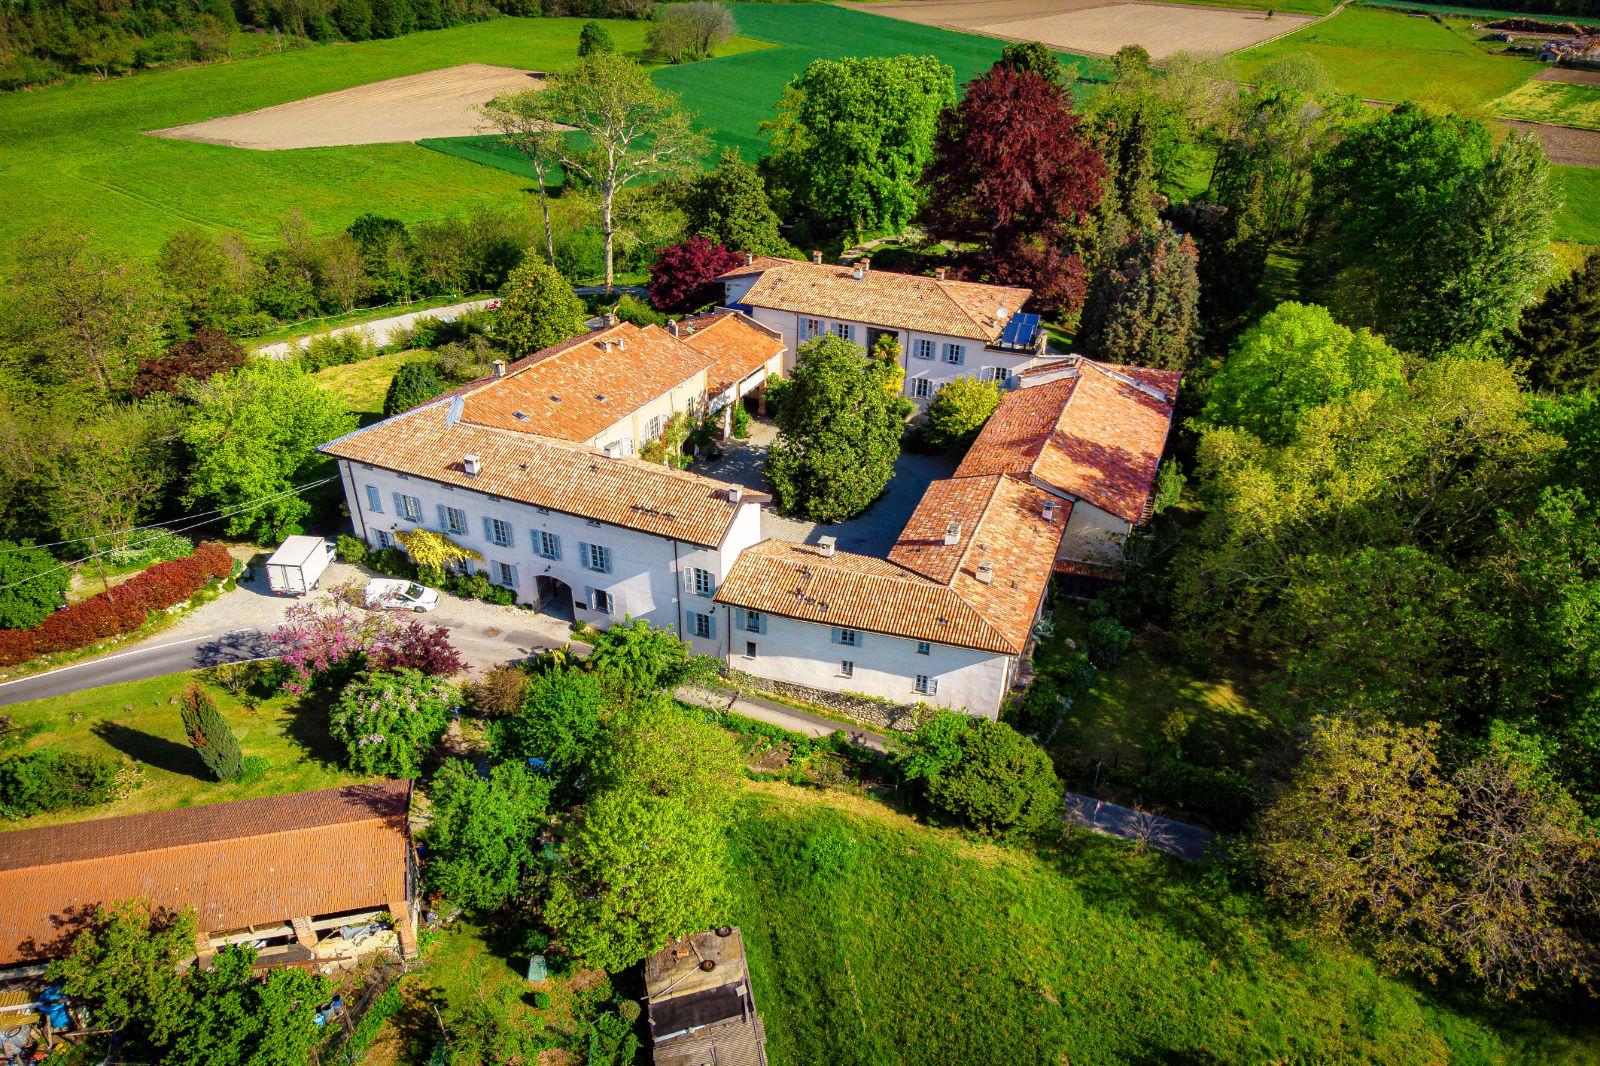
pixel 249 862
pixel 425 442
pixel 1094 431
pixel 579 388
pixel 925 590
pixel 740 346
pixel 883 298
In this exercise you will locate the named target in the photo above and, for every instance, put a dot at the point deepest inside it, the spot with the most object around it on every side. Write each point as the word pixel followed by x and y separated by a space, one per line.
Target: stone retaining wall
pixel 878 714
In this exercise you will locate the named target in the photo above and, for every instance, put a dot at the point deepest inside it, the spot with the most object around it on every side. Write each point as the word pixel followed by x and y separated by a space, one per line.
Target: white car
pixel 397 594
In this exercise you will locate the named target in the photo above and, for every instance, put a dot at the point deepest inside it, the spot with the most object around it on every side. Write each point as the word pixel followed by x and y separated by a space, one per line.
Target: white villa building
pixel 946 329
pixel 1055 482
pixel 534 468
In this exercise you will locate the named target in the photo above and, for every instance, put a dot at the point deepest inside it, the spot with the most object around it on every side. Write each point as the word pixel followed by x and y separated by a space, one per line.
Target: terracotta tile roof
pixel 545 473
pixel 884 298
pixel 250 862
pixel 757 265
pixel 1096 434
pixel 737 343
pixel 924 590
pixel 580 387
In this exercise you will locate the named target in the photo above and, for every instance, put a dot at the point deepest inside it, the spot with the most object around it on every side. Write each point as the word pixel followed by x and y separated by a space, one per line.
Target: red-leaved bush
pixel 684 277
pixel 119 610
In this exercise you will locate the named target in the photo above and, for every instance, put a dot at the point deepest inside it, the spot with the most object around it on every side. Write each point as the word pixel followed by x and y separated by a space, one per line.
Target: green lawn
pixel 1385 55
pixel 1556 102
pixel 362 386
pixel 139 720
pixel 74 154
pixel 875 940
pixel 1478 12
pixel 1579 218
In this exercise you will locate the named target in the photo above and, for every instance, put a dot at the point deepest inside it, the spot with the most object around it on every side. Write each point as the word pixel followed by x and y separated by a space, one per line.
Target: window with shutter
pixel 374 499
pixel 547 543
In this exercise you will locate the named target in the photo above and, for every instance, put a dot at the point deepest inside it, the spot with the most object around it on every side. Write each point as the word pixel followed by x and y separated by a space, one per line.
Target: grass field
pixel 74 154
pixel 139 720
pixel 362 386
pixel 733 95
pixel 1579 218
pixel 1477 12
pixel 1560 103
pixel 1384 55
pixel 875 940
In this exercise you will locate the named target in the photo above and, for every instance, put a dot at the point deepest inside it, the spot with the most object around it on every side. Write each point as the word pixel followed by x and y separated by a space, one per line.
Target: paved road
pixel 1180 838
pixel 380 330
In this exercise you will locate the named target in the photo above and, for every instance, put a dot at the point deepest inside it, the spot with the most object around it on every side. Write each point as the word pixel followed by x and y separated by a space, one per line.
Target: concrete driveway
pixel 872 533
pixel 234 627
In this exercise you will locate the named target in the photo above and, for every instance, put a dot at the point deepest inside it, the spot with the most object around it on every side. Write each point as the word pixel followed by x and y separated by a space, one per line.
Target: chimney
pixel 827 545
pixel 985 573
pixel 1000 312
pixel 866 263
pixel 938 275
pixel 749 259
pixel 735 493
pixel 1049 512
pixel 610 318
pixel 952 534
pixel 622 344
pixel 816 258
pixel 859 272
pixel 499 368
pixel 672 326
pixel 470 465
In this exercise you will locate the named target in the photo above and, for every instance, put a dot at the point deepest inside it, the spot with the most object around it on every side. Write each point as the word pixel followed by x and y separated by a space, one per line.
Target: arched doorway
pixel 555 596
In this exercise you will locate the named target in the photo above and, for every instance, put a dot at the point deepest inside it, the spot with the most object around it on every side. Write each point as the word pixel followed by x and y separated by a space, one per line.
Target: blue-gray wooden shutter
pixel 444 519
pixel 374 499
pixel 399 505
pixel 834 635
pixel 761 624
pixel 516 582
pixel 585 559
pixel 488 531
pixel 605 560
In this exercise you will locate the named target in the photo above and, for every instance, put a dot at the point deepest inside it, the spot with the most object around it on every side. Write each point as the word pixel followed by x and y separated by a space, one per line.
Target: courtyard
pixel 873 532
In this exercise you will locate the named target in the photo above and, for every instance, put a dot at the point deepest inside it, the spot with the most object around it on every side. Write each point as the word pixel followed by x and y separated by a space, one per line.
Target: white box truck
pixel 297 565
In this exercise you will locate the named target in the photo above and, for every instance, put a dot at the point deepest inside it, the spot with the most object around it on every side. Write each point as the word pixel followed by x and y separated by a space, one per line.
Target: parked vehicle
pixel 396 594
pixel 297 566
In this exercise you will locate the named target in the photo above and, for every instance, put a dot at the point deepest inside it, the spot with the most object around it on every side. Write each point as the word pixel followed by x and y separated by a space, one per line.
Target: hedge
pixel 122 609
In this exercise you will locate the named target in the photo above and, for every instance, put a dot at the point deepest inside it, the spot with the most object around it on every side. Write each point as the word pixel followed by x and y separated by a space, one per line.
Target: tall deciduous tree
pixel 684 277
pixel 1144 306
pixel 483 831
pixel 253 432
pixel 1426 232
pixel 630 130
pixel 537 309
pixel 1296 358
pixel 854 135
pixel 959 410
pixel 524 121
pixel 1032 57
pixel 125 963
pixel 1559 337
pixel 839 433
pixel 728 205
pixel 1012 172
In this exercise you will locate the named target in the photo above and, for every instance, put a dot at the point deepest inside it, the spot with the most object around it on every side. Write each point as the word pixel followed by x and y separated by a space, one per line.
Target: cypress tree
pixel 1144 305
pixel 209 734
pixel 1559 337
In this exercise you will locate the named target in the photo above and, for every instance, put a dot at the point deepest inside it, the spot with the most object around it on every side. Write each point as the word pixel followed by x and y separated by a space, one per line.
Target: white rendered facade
pixel 612 571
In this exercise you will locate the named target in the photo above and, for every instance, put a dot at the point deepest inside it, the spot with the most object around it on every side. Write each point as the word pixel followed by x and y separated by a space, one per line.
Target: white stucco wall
pixel 650 575
pixel 1093 535
pixel 803 653
pixel 976 359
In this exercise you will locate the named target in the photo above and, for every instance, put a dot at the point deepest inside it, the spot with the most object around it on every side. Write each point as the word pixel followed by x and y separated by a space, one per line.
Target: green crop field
pixel 1385 55
pixel 1578 220
pixel 733 95
pixel 1556 102
pixel 875 940
pixel 75 154
pixel 1444 10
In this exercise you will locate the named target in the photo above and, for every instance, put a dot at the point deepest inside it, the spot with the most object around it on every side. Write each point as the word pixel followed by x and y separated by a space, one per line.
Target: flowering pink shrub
pixel 390 721
pixel 317 637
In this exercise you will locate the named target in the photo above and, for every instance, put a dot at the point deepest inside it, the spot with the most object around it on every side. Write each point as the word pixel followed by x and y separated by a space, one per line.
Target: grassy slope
pixel 1488 12
pixel 139 719
pixel 1383 55
pixel 1552 101
pixel 75 153
pixel 362 386
pixel 1579 218
pixel 927 949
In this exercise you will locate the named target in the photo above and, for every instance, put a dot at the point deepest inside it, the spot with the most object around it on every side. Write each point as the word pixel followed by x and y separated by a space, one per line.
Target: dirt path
pixel 1563 144
pixel 1569 76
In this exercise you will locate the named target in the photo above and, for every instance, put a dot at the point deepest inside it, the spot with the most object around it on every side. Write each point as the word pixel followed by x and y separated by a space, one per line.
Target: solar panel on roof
pixel 1020 331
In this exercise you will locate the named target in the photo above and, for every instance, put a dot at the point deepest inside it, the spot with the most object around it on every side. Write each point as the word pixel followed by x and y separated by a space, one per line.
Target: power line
pixel 253 504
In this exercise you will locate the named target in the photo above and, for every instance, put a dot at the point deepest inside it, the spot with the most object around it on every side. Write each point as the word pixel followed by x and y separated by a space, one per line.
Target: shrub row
pixel 51 780
pixel 119 610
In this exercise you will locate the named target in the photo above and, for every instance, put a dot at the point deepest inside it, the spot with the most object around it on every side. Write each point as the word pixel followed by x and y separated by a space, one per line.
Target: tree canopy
pixel 728 205
pixel 483 831
pixel 854 135
pixel 537 309
pixel 839 433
